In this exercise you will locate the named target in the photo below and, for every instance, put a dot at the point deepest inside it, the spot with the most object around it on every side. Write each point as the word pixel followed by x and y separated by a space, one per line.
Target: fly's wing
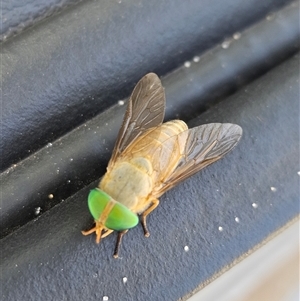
pixel 146 109
pixel 205 144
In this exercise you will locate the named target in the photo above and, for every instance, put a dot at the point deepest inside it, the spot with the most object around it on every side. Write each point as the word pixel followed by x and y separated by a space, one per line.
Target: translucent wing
pixel 205 144
pixel 146 109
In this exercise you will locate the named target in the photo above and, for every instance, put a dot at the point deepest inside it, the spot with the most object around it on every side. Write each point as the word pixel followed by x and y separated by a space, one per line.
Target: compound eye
pixel 118 218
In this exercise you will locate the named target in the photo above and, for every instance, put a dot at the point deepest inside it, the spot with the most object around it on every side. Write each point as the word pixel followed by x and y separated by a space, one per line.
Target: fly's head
pixel 109 215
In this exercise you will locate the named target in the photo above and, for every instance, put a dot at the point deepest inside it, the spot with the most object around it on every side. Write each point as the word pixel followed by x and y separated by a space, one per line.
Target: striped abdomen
pixel 162 147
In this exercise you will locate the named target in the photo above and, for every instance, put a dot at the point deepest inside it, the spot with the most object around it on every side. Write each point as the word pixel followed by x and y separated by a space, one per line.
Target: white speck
pixel 270 17
pixel 236 35
pixel 71 159
pixel 237 219
pixel 187 64
pixel 273 189
pixel 220 229
pixel 49 144
pixel 105 298
pixel 225 44
pixel 69 181
pixel 120 1
pixel 196 59
pixel 95 275
pixel 37 210
pixel 16 265
pixel 50 196
pixel 57 171
pixel 124 280
pixel 121 102
pixel 254 205
pixel 186 248
pixel 298 173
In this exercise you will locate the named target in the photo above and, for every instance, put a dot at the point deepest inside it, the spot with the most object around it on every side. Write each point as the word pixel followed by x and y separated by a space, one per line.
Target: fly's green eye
pixel 119 216
pixel 97 201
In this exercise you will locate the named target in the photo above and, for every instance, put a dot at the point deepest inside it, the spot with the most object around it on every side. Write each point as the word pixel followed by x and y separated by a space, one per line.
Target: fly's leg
pixel 119 240
pixel 108 232
pixel 155 203
pixel 98 229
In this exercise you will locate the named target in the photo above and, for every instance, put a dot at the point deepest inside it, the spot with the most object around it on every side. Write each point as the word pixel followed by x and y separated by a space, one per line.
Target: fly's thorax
pixel 142 164
pixel 110 213
pixel 128 182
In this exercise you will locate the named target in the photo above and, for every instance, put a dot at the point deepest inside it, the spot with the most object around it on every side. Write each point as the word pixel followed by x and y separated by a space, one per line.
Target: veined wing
pixel 146 109
pixel 205 144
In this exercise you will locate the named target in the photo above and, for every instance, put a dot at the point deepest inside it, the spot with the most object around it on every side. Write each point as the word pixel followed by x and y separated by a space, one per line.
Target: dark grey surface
pixel 189 91
pixel 16 16
pixel 68 68
pixel 49 258
pixel 72 66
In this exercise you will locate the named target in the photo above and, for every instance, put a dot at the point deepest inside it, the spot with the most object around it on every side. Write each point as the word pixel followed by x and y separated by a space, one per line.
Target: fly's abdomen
pixel 157 137
pixel 163 146
pixel 169 136
pixel 172 128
